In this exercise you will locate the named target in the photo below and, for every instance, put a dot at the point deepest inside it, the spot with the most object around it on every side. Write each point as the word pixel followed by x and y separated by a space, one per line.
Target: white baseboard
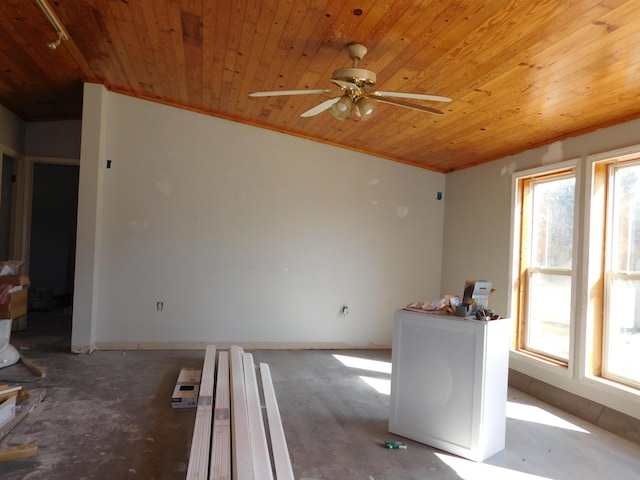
pixel 226 345
pixel 81 349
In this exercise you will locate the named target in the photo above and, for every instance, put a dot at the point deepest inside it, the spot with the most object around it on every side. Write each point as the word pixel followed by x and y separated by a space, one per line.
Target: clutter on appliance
pixel 473 303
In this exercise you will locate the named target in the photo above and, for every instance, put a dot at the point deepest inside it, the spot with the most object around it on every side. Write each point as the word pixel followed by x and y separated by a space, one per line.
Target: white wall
pixel 477 232
pixel 59 139
pixel 251 236
pixel 90 220
pixel 11 131
pixel 476 237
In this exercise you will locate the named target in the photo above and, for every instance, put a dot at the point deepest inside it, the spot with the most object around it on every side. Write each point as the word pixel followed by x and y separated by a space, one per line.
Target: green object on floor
pixel 395 445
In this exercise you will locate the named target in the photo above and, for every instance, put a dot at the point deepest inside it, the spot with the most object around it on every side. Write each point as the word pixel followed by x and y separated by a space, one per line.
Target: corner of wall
pixel 92 155
pixel 12 131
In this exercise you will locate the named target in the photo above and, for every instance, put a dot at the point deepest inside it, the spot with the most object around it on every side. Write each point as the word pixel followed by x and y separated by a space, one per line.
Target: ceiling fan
pixel 357 91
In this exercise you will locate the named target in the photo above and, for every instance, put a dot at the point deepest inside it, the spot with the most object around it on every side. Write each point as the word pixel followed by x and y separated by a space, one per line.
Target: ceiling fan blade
pixel 276 93
pixel 326 105
pixel 345 84
pixel 414 96
pixel 400 103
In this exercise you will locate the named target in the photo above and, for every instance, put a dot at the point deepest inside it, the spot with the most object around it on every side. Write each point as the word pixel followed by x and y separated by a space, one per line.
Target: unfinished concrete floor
pixel 108 415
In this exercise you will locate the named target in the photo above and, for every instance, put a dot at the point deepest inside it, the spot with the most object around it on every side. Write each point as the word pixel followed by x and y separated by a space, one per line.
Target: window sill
pixel 605 392
pixel 537 361
pixel 614 388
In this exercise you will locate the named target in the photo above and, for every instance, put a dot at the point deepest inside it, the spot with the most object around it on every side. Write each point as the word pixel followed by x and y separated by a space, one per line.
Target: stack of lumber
pixel 15 404
pixel 231 435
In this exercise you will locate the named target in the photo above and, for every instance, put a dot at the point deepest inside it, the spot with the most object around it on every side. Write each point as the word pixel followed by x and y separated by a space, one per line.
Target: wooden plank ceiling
pixel 520 73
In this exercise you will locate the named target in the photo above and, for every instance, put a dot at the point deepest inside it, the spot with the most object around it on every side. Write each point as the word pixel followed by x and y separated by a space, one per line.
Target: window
pixel 576 291
pixel 621 336
pixel 546 264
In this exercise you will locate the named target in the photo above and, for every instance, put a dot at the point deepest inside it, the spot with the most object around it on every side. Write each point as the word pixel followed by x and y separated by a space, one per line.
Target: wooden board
pixel 220 466
pixel 259 448
pixel 33 367
pixel 242 464
pixel 21 451
pixel 201 440
pixel 280 451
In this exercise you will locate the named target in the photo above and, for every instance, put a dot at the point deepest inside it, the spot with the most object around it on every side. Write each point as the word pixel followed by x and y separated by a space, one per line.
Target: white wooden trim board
pixel 259 448
pixel 220 467
pixel 242 464
pixel 280 451
pixel 200 443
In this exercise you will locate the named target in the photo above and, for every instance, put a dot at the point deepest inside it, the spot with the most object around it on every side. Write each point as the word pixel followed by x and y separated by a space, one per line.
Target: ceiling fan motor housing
pixel 359 76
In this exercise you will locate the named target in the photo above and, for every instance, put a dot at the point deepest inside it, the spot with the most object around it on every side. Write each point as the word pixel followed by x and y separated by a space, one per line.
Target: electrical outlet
pixel 159 306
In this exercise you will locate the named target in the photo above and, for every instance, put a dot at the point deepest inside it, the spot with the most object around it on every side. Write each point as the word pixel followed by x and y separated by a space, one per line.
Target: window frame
pixel 525 320
pixel 583 375
pixel 518 301
pixel 607 170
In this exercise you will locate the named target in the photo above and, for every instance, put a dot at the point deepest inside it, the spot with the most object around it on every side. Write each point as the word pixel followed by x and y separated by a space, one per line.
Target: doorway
pixel 54 211
pixel 6 192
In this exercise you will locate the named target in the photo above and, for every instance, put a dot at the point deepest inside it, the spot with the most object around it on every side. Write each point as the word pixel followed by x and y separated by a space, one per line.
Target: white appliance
pixel 449 382
pixel 8 353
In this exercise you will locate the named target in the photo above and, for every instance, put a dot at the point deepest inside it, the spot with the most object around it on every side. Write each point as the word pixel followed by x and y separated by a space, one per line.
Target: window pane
pixel 552 227
pixel 549 308
pixel 623 332
pixel 625 248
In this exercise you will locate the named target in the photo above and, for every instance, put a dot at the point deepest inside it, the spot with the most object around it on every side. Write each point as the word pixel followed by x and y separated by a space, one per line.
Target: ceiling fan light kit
pixel 357 92
pixel 341 108
pixel 365 108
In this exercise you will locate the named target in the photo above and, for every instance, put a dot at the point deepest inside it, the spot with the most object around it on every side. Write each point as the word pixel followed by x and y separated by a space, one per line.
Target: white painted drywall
pixel 59 139
pixel 11 130
pixel 90 219
pixel 250 236
pixel 476 238
pixel 477 232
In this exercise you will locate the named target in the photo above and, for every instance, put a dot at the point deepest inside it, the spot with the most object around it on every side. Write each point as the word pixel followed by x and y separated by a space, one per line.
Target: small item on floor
pixel 7 409
pixel 24 402
pixel 395 445
pixel 21 451
pixel 33 367
pixel 185 393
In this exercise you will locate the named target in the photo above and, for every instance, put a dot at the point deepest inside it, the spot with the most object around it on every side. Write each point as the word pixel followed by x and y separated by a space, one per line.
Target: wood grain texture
pixel 521 74
pixel 281 457
pixel 20 451
pixel 220 467
pixel 262 469
pixel 198 466
pixel 241 460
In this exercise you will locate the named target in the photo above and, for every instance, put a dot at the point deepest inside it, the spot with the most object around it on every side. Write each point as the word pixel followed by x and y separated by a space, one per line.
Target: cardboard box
pixel 187 389
pixel 17 305
pixel 15 280
pixel 476 293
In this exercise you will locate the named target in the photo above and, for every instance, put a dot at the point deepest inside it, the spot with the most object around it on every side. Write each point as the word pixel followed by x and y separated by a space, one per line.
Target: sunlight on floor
pixel 469 470
pixel 379 384
pixel 365 363
pixel 530 413
pixel 515 411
